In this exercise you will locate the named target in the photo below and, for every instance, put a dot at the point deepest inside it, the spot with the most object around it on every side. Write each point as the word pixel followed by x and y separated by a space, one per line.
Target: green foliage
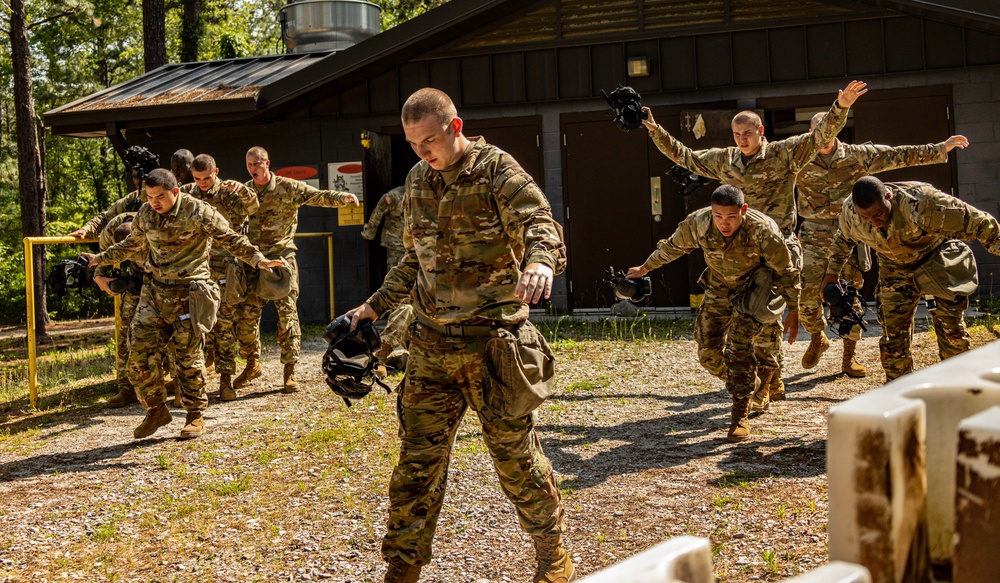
pixel 396 12
pixel 92 46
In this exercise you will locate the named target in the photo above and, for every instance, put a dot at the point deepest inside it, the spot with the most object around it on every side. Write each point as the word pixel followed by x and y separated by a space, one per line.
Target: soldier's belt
pixel 463 329
pixel 170 282
pixel 221 262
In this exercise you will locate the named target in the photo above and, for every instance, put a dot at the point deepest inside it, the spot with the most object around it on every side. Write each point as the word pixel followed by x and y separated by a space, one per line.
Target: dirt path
pixel 292 487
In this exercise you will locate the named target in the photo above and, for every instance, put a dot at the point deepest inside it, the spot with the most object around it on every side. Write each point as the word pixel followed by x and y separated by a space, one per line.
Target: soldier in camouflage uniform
pixel 129 203
pixel 180 166
pixel 235 202
pixel 737 242
pixel 823 186
pixel 473 219
pixel 114 232
pixel 389 212
pixel 95 228
pixel 174 232
pixel 272 228
pixel 765 172
pixel 905 223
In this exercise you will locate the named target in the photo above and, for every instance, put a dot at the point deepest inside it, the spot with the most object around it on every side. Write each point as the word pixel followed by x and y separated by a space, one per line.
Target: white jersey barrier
pixel 688 559
pixel 914 474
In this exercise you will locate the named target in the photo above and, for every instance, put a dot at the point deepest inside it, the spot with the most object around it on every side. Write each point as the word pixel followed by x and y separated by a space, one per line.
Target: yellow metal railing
pixel 29 285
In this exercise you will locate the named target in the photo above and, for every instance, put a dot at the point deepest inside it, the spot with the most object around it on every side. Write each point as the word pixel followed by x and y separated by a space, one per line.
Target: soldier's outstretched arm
pixel 958 141
pixel 848 95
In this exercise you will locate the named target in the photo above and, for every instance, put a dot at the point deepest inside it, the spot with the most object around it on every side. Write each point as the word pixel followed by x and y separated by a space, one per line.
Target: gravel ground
pixel 293 487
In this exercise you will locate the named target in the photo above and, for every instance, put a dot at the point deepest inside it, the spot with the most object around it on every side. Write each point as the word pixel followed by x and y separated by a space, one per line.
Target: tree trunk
pixel 154 34
pixel 191 31
pixel 30 165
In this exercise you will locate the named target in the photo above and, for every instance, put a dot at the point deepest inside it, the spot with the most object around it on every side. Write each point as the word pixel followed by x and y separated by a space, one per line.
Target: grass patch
pixel 566 331
pixel 738 479
pixel 229 487
pixel 588 385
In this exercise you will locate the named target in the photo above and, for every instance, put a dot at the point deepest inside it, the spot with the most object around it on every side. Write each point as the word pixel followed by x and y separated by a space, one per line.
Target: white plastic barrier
pixel 688 559
pixel 891 465
pixel 684 559
pixel 835 572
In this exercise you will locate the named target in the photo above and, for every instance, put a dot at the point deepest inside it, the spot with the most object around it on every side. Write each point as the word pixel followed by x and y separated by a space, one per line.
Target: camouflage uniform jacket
pixel 922 217
pixel 131 201
pixel 466 241
pixel 273 226
pixel 826 182
pixel 107 239
pixel 389 212
pixel 176 244
pixel 232 199
pixel 768 177
pixel 731 263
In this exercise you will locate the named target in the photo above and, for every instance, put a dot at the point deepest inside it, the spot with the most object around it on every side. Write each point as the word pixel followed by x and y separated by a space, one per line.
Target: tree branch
pixel 68 12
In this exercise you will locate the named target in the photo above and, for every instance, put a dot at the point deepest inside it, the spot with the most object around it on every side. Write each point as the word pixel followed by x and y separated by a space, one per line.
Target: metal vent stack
pixel 323 25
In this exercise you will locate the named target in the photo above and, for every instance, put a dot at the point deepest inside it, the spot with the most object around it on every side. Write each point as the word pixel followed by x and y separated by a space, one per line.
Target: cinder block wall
pixel 977 116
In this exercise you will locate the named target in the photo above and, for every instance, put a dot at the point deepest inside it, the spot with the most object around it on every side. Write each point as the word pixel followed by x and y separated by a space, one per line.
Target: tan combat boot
pixel 195 425
pixel 776 388
pixel 124 397
pixel 739 426
pixel 400 571
pixel 252 371
pixel 817 346
pixel 760 401
pixel 226 390
pixel 290 385
pixel 156 418
pixel 554 563
pixel 851 367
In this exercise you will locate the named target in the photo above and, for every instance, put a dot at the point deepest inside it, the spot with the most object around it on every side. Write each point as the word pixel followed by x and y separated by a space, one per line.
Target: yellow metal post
pixel 29 287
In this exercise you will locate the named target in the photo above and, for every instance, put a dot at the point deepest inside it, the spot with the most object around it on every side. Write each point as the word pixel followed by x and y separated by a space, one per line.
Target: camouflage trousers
pixel 726 340
pixel 289 333
pixel 223 335
pixel 817 241
pixel 157 322
pixel 129 303
pixel 767 348
pixel 897 298
pixel 444 379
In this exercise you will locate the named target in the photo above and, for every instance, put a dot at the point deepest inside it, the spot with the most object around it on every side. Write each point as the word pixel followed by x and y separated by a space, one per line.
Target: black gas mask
pixel 627 105
pixel 635 290
pixel 70 274
pixel 840 301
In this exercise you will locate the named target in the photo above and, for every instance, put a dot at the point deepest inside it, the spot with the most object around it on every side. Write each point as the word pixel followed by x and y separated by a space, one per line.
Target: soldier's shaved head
pixel 867 191
pixel 161 177
pixel 203 163
pixel 816 119
pixel 258 152
pixel 728 195
pixel 122 231
pixel 429 101
pixel 747 117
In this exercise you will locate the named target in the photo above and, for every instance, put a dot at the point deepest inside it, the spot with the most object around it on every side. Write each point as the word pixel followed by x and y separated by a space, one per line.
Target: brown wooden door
pixel 609 218
pixel 377 179
pixel 518 136
pixel 898 119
